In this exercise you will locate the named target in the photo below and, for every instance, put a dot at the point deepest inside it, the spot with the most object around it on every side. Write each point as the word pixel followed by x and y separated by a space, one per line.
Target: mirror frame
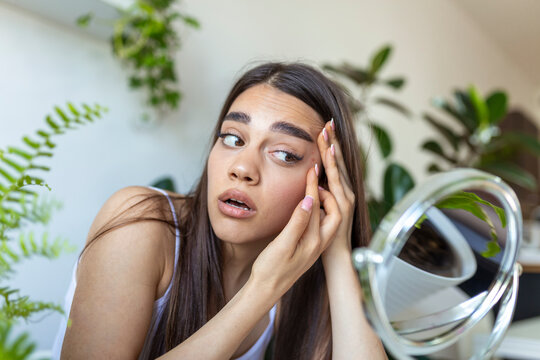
pixel 373 262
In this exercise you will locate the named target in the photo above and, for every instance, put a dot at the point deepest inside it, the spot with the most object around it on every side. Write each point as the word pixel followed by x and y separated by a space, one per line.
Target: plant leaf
pixel 396 83
pixel 492 249
pixel 445 131
pixel 511 173
pixel 434 147
pixel 397 182
pixel 465 111
pixel 497 103
pixel 394 105
pixel 358 76
pixel 379 59
pixel 480 107
pixel 191 21
pixel 433 168
pixel 84 20
pixel 383 139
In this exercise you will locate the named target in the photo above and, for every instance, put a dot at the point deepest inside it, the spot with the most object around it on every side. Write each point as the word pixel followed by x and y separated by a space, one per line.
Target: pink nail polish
pixel 333 149
pixel 332 124
pixel 316 169
pixel 325 134
pixel 321 188
pixel 307 203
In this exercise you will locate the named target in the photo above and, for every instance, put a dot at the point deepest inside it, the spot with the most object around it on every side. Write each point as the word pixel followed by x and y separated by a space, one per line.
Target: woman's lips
pixel 231 197
pixel 233 211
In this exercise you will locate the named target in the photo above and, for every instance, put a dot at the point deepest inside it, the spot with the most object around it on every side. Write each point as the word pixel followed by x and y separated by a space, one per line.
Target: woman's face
pixel 257 167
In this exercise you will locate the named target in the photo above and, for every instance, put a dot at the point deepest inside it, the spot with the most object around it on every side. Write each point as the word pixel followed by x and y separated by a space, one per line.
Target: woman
pixel 257 251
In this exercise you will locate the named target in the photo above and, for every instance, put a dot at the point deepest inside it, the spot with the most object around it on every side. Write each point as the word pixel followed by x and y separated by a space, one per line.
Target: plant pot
pixel 407 284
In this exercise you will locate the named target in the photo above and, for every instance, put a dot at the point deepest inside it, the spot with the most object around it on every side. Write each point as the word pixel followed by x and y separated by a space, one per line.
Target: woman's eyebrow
pixel 290 129
pixel 238 116
pixel 279 126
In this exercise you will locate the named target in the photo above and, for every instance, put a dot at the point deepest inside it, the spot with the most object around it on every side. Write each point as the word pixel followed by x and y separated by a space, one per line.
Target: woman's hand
pixel 340 187
pixel 300 243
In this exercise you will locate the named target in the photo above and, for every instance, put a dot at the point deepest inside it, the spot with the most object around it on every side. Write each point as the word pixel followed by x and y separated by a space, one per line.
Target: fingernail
pixel 307 203
pixel 316 169
pixel 332 149
pixel 325 134
pixel 321 188
pixel 332 124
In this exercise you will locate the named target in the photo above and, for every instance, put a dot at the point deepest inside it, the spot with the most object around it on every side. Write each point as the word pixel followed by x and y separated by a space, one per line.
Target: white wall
pixel 437 47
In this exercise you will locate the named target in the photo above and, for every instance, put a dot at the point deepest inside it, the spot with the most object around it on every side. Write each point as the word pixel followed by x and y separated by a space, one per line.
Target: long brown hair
pixel 303 329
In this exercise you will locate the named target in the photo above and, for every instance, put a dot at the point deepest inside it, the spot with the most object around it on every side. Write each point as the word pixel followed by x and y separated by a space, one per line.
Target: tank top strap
pixel 177 229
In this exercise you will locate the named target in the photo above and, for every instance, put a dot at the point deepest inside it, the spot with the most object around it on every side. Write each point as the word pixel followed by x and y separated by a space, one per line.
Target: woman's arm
pixel 352 336
pixel 119 276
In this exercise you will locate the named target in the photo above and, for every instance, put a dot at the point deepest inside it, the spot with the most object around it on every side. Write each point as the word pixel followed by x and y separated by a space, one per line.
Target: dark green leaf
pixel 433 168
pixel 464 110
pixel 191 21
pixel 359 76
pixel 511 173
pixel 393 104
pixel 377 210
pixel 379 59
pixel 497 106
pixel 513 141
pixel 436 148
pixel 445 131
pixel 396 83
pixel 397 182
pixel 383 139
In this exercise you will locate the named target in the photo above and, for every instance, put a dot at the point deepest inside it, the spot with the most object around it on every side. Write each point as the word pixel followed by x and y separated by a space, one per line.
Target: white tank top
pixel 256 352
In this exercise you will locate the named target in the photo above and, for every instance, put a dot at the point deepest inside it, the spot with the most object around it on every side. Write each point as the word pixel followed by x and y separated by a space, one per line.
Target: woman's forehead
pixel 265 105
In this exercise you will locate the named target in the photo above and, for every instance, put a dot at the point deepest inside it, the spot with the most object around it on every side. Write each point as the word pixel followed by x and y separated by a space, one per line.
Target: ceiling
pixel 514 26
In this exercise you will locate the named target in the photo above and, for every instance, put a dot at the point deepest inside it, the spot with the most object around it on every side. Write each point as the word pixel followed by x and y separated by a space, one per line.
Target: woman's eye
pixel 287 157
pixel 231 140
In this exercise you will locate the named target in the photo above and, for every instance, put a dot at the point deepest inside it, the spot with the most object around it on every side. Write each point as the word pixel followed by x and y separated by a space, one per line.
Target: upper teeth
pixel 241 202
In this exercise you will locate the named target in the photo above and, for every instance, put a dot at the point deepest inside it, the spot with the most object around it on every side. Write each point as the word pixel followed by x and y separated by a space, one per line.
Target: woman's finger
pixel 332 217
pixel 333 176
pixel 311 239
pixel 331 128
pixel 325 141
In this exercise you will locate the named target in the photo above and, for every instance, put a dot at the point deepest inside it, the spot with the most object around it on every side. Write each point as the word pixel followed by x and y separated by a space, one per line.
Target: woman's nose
pixel 244 168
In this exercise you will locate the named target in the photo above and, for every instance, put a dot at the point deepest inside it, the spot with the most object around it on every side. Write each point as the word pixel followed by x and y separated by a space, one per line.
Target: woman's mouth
pixel 236 203
pixel 235 208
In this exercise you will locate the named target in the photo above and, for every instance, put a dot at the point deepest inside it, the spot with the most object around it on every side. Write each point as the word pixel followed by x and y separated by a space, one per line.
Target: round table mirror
pixel 443 263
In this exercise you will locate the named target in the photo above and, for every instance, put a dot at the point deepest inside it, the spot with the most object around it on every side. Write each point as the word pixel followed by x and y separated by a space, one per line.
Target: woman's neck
pixel 237 262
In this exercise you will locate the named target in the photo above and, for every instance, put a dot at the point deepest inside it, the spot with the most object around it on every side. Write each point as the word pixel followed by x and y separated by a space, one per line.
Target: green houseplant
pixel 21 206
pixel 478 116
pixel 365 83
pixel 476 140
pixel 146 41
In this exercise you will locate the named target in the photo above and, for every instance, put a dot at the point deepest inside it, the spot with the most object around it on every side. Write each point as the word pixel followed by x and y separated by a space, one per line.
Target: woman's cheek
pixel 285 197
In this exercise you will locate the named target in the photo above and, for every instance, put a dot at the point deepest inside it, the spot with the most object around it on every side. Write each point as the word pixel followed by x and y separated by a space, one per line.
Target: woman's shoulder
pixel 130 203
pixel 149 245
